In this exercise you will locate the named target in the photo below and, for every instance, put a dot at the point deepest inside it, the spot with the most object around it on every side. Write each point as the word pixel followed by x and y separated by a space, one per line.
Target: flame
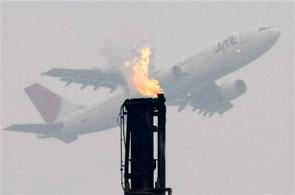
pixel 140 78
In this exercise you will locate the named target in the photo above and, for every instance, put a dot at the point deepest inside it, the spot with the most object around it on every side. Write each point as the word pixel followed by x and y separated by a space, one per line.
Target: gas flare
pixel 140 77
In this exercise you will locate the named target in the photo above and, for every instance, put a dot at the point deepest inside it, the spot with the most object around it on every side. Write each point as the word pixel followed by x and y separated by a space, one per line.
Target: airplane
pixel 191 81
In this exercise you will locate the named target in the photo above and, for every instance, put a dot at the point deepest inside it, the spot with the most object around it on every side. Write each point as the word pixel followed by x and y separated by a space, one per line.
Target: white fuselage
pixel 219 59
pixel 95 118
pixel 209 64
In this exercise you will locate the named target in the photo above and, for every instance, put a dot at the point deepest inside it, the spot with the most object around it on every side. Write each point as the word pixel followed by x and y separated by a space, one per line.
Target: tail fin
pixel 51 106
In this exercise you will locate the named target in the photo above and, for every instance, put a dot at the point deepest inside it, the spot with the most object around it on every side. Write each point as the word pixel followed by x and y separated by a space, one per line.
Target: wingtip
pixel 47 73
pixel 9 128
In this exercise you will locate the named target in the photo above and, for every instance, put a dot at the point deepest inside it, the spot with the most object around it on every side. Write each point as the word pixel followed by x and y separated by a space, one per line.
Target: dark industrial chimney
pixel 142 123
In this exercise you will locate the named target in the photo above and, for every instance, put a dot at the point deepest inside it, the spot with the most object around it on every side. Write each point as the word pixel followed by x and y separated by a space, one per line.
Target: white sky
pixel 250 149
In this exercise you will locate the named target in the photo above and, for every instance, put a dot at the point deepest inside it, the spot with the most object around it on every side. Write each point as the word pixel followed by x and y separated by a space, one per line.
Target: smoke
pixel 123 47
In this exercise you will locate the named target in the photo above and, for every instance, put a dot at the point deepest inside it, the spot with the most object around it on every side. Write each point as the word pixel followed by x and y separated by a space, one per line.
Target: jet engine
pixel 232 90
pixel 177 72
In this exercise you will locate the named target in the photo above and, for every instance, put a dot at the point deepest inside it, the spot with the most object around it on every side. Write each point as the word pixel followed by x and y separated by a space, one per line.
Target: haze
pixel 249 149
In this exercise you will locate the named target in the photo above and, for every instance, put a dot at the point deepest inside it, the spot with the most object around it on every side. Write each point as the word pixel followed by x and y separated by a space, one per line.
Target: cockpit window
pixel 264 28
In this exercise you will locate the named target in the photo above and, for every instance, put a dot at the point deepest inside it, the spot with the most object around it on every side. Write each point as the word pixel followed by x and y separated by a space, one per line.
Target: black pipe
pixel 139 164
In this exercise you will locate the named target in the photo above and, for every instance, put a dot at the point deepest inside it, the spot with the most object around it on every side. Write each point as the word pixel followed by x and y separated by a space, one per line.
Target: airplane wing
pixel 88 77
pixel 207 100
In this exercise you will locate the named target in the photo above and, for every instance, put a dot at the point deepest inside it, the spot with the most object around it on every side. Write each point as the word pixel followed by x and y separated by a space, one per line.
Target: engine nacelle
pixel 177 72
pixel 232 90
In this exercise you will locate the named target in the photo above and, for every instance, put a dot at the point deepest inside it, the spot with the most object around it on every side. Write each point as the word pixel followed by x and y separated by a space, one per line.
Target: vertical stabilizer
pixel 51 106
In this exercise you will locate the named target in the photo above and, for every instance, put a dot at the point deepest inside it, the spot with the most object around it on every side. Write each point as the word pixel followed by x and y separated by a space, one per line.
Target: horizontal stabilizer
pixel 36 128
pixel 66 138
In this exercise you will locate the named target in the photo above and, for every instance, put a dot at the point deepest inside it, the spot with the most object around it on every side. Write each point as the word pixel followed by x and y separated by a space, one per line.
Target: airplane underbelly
pixel 100 118
pixel 102 121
